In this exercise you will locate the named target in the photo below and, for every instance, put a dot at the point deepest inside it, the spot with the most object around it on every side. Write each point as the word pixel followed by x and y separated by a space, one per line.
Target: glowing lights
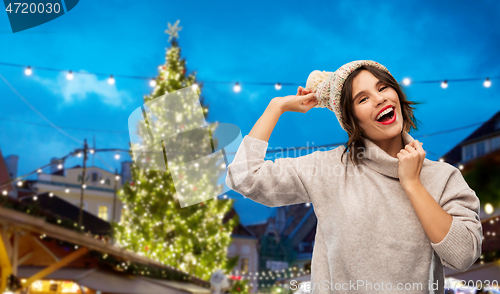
pixel 444 84
pixel 117 156
pixel 152 83
pixel 441 159
pixel 59 166
pixel 487 83
pixel 488 208
pixel 406 81
pixel 237 87
pixel 461 167
pixel 277 86
pixel 111 80
pixel 28 71
pixel 69 76
pixel 51 194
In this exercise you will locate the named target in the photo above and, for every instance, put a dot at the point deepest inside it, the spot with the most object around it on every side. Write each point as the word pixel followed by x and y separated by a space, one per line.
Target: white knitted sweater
pixel 369 237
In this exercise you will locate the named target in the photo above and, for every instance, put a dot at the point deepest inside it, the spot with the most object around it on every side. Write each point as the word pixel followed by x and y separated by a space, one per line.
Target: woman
pixel 388 218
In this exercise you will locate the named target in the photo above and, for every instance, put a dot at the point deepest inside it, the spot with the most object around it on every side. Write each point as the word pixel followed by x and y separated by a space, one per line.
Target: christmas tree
pixel 195 238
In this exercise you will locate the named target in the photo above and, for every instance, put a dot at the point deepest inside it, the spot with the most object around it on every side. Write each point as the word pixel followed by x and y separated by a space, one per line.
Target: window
pixel 468 152
pixel 480 148
pixel 244 266
pixel 495 143
pixel 103 212
pixel 94 177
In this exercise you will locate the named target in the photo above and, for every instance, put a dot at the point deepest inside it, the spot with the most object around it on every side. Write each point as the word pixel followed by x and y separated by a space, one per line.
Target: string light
pixel 117 156
pixel 51 194
pixel 237 87
pixel 28 71
pixel 488 208
pixel 111 80
pixel 487 83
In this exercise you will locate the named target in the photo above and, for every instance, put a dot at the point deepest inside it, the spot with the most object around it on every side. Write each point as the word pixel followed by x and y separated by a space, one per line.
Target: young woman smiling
pixel 388 218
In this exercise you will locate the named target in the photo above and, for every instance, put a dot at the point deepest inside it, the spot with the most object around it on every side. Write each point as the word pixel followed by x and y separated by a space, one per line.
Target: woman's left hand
pixel 411 160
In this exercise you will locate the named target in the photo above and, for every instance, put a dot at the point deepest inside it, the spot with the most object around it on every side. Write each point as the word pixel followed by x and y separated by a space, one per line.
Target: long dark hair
pixel 350 121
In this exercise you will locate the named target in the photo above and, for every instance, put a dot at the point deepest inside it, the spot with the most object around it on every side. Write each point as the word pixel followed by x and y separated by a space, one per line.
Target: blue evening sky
pixel 242 41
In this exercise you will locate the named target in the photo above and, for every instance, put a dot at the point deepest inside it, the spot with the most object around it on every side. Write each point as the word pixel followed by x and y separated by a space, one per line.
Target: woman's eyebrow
pixel 364 91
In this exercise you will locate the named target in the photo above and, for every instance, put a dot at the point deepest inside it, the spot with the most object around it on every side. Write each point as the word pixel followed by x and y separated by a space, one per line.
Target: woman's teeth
pixel 384 113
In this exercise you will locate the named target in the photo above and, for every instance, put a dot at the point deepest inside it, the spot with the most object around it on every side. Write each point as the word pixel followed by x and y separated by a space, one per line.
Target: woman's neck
pixel 391 146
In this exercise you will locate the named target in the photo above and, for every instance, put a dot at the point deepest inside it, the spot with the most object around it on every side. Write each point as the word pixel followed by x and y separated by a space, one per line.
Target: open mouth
pixel 387 117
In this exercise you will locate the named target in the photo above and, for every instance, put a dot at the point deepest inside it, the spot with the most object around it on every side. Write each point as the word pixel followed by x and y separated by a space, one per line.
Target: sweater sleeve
pixel 269 183
pixel 461 247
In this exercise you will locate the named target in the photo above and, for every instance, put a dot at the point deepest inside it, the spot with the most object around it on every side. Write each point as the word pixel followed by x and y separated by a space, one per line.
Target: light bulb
pixel 152 83
pixel 461 167
pixel 277 86
pixel 69 76
pixel 487 83
pixel 117 156
pixel 441 160
pixel 28 71
pixel 237 88
pixel 59 166
pixel 406 81
pixel 195 86
pixel 111 80
pixel 444 84
pixel 488 208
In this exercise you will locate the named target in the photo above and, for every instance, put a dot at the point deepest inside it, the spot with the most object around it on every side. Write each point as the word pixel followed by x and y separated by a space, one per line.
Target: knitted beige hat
pixel 328 85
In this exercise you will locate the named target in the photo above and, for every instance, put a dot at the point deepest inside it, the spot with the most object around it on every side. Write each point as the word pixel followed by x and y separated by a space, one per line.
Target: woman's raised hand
pixel 303 101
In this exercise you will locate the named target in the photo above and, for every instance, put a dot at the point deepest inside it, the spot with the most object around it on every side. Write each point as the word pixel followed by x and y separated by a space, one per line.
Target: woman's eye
pixel 381 89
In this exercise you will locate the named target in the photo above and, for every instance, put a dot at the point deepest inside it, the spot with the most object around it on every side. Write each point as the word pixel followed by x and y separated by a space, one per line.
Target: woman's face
pixel 369 99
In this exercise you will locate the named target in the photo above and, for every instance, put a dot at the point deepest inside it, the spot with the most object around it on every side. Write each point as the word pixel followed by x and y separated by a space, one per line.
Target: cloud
pixel 83 86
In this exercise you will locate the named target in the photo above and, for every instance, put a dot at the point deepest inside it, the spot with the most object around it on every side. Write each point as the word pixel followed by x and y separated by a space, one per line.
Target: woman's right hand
pixel 303 101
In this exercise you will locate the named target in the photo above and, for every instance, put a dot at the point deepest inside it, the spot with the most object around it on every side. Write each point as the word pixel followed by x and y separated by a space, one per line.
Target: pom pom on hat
pixel 328 85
